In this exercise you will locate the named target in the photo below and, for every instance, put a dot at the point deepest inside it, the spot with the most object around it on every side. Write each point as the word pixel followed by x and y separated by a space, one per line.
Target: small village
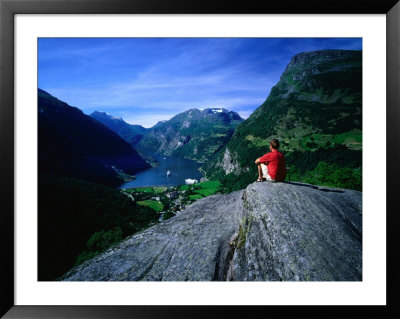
pixel 168 201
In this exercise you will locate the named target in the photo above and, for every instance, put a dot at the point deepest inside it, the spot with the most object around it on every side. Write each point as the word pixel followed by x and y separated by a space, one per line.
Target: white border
pixel 372 290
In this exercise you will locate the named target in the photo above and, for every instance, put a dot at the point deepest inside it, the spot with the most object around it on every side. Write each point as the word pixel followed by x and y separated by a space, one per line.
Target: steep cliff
pixel 266 232
pixel 316 111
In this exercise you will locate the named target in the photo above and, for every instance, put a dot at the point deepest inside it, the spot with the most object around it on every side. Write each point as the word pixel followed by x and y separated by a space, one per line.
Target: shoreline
pixel 157 178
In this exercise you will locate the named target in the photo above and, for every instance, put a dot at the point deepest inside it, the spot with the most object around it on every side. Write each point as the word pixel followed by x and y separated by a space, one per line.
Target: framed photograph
pixel 82 43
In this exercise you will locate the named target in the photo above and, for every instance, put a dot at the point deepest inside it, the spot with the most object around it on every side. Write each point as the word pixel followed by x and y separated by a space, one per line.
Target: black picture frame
pixel 8 9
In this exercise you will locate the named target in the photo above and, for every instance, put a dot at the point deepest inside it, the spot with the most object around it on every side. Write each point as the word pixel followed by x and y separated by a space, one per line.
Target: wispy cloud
pixel 147 80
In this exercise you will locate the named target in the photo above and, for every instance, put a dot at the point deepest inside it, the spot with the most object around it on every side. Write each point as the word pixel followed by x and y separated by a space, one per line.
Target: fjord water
pixel 179 168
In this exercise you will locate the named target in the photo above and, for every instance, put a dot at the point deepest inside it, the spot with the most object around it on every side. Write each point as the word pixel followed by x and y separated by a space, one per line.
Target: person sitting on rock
pixel 271 166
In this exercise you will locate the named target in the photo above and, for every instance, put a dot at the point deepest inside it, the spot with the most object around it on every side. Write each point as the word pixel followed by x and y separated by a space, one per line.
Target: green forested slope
pixel 316 112
pixel 78 219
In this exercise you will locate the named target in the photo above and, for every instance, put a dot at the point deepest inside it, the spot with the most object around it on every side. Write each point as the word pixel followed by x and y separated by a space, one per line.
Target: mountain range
pixel 315 110
pixel 74 144
pixel 193 134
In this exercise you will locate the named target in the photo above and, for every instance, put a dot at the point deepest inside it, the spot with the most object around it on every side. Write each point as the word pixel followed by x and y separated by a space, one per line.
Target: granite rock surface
pixel 266 232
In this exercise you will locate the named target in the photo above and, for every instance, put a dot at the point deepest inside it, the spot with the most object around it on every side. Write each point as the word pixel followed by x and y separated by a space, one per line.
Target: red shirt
pixel 276 165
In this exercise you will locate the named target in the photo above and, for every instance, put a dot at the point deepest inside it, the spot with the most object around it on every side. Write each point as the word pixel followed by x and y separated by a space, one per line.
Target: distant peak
pixel 159 123
pixel 215 110
pixel 98 113
pixel 105 114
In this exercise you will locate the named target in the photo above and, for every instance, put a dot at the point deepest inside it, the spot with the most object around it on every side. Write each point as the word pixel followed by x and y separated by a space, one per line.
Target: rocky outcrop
pixel 305 69
pixel 299 232
pixel 229 163
pixel 267 232
pixel 305 57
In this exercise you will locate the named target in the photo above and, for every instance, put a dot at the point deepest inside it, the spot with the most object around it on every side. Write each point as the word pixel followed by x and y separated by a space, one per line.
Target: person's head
pixel 274 144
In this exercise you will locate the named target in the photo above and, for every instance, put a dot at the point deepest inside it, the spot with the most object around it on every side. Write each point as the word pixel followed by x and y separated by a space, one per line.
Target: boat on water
pixel 190 181
pixel 168 173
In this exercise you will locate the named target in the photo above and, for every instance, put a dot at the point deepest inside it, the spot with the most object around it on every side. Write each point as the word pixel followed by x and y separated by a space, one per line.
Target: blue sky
pixel 145 80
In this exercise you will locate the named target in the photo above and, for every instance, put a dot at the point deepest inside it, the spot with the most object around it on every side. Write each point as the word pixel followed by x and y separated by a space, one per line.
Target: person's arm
pixel 264 159
pixel 257 161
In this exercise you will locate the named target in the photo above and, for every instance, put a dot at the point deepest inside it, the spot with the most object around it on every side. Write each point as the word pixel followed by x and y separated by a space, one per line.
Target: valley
pixel 168 201
pixel 102 179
